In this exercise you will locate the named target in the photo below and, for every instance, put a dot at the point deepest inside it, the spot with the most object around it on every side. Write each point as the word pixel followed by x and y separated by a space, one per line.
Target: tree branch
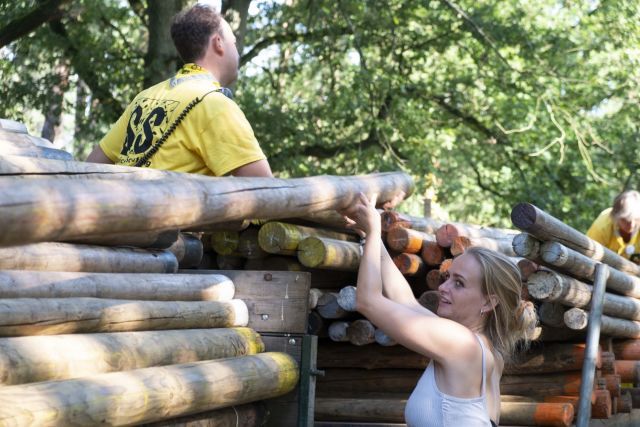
pixel 46 11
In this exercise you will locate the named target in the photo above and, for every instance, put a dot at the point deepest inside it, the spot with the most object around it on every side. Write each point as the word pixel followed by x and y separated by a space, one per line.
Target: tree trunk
pixel 161 59
pixel 96 259
pixel 406 240
pixel 28 316
pixel 150 394
pixel 545 227
pixel 584 267
pixel 100 353
pixel 53 114
pixel 126 286
pixel 280 238
pixel 318 252
pixel 64 209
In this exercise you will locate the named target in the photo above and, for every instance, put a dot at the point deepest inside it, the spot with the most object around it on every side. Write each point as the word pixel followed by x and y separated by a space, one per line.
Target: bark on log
pixel 577 318
pixel 111 352
pixel 187 250
pixel 396 219
pixel 316 252
pixel 461 243
pixel 150 394
pixel 97 259
pixel 583 267
pixel 433 254
pixel 407 240
pixel 145 239
pixel 446 234
pixel 342 355
pixel 127 286
pixel 281 238
pixel 552 314
pixel 545 227
pixel 361 332
pixel 410 265
pixel 28 316
pixel 65 209
pixel 248 415
pixel 551 358
pixel 555 287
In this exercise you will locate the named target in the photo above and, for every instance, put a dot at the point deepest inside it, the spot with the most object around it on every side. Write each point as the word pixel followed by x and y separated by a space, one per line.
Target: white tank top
pixel 429 407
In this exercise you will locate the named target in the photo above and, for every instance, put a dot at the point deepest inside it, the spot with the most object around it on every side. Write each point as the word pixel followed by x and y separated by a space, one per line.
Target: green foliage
pixel 485 103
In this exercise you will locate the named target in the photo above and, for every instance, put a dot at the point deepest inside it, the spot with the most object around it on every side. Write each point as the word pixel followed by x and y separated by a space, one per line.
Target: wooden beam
pixel 282 238
pixel 323 253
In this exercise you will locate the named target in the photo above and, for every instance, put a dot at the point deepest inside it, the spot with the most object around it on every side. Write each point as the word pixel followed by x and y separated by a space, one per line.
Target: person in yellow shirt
pixel 188 123
pixel 617 227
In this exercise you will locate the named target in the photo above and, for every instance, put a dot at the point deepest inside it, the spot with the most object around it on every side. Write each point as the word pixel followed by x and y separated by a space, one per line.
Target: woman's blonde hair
pixel 512 320
pixel 626 206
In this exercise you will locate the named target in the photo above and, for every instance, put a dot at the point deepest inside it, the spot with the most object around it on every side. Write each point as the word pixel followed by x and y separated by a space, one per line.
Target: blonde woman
pixel 617 227
pixel 479 319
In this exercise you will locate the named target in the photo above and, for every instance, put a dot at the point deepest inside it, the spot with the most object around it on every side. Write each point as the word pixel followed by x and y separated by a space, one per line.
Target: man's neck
pixel 210 68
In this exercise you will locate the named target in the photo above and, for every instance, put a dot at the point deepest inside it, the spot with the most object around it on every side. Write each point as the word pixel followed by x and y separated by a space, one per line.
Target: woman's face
pixel 461 296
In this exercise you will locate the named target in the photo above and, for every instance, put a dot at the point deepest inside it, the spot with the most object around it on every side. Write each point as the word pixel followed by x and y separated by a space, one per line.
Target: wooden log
pixel 536 414
pixel 281 238
pixel 552 314
pixel 225 242
pixel 149 394
pixel 347 298
pixel 396 219
pixel 98 259
pixel 461 243
pixel 600 402
pixel 230 262
pixel 338 331
pixel 64 209
pixel 555 287
pixel 583 267
pixel 434 279
pixel 361 332
pixel 314 296
pixel 188 250
pixel 329 308
pixel 247 415
pixel 446 233
pixel 444 266
pixel 237 225
pixel 551 358
pixel 145 239
pixel 608 363
pixel 360 410
pixel 432 253
pixel 629 370
pixel 561 384
pixel 51 316
pixel 430 300
pixel 526 246
pixel 545 227
pixel 112 352
pixel 406 240
pixel 248 246
pixel 208 261
pixel 127 286
pixel 345 382
pixel 626 349
pixel 624 403
pixel 410 264
pixel 317 252
pixel 577 319
pixel 527 268
pixel 9 125
pixel 326 219
pixel 343 355
pixel 383 339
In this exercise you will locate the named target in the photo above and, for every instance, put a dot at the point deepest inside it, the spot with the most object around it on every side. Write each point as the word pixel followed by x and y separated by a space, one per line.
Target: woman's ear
pixel 491 302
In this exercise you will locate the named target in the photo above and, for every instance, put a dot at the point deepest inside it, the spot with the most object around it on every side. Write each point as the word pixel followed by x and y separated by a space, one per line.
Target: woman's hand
pixel 363 216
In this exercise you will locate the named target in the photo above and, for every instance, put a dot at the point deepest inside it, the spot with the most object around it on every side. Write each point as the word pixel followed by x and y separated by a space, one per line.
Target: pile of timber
pixel 558 267
pixel 100 320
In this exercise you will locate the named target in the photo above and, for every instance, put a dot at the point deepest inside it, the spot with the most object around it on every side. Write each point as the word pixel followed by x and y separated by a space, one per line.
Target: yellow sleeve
pixel 113 141
pixel 228 142
pixel 600 230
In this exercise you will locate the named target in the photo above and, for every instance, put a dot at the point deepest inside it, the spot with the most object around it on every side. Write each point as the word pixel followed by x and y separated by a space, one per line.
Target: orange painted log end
pixel 554 414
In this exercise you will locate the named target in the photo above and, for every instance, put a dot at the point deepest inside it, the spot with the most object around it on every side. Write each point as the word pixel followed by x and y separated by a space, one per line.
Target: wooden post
pixel 432 253
pixel 62 209
pixel 406 240
pixel 583 267
pixel 449 231
pixel 98 259
pixel 577 319
pixel 410 264
pixel 281 238
pixel 392 218
pixel 144 239
pixel 188 250
pixel 149 394
pixel 122 351
pixel 552 357
pixel 126 286
pixel 317 252
pixel 28 316
pixel 361 332
pixel 545 227
pixel 461 243
pixel 552 286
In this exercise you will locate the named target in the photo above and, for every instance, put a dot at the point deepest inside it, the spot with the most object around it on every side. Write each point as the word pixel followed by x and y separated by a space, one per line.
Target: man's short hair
pixel 191 30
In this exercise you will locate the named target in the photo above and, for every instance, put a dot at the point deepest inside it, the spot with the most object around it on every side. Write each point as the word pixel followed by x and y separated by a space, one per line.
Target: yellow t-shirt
pixel 213 139
pixel 605 231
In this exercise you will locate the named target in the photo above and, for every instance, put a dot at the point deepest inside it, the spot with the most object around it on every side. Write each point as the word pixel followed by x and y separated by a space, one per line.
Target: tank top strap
pixel 483 365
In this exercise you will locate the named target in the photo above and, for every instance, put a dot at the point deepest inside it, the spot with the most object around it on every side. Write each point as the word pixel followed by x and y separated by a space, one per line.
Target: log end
pixel 523 216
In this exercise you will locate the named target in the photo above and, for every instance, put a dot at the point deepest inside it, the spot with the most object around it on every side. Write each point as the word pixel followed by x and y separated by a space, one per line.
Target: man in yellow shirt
pixel 617 227
pixel 187 123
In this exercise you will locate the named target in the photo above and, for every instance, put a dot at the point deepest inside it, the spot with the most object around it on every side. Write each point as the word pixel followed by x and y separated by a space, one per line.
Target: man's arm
pixel 98 156
pixel 258 168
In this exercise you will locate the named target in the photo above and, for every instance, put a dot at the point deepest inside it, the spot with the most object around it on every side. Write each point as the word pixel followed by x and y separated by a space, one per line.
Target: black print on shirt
pixel 149 119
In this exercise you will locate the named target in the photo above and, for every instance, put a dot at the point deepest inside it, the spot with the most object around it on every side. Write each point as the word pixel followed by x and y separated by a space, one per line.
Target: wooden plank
pixel 278 301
